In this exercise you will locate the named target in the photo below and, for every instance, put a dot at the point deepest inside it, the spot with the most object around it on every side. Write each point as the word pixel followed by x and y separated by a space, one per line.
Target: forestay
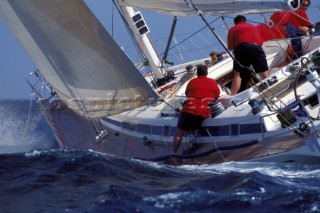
pixel 77 56
pixel 213 7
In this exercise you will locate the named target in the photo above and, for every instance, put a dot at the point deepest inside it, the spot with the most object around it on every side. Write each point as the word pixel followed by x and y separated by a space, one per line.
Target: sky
pixel 15 64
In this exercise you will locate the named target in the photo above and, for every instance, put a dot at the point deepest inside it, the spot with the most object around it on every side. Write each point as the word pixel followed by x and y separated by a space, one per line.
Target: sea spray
pixel 22 127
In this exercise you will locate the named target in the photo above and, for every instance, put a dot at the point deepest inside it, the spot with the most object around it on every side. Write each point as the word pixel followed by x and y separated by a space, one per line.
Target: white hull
pixel 75 132
pixel 234 135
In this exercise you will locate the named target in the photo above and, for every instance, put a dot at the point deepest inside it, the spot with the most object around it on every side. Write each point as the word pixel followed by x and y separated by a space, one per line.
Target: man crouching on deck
pixel 200 92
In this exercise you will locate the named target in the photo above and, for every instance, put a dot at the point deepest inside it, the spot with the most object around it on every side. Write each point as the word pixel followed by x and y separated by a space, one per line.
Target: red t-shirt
pixel 271 33
pixel 280 18
pixel 200 91
pixel 299 18
pixel 243 32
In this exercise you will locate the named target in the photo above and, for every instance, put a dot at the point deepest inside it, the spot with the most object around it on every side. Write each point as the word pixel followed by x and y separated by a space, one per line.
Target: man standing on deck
pixel 200 92
pixel 246 42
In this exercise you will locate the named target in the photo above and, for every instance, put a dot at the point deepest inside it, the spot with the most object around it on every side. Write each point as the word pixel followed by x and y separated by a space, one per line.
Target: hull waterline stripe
pixel 202 154
pixel 253 128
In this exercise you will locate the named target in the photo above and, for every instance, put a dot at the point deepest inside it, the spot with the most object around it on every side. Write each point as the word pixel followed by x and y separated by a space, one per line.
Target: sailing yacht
pixel 94 97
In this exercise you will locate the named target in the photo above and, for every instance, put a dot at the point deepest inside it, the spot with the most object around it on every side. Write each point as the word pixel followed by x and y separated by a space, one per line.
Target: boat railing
pixel 265 139
pixel 39 85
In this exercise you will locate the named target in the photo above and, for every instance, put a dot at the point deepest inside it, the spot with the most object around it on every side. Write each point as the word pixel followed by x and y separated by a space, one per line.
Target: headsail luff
pixel 77 56
pixel 213 7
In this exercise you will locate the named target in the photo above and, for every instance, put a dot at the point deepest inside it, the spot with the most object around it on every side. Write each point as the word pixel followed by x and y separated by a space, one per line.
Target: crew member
pixel 245 41
pixel 200 92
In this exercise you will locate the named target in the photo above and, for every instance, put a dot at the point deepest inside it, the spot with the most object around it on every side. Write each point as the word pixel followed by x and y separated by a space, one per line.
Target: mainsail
pixel 77 56
pixel 213 7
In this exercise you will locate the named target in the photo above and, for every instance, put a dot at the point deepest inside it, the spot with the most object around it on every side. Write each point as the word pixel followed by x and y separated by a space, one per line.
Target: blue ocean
pixel 37 176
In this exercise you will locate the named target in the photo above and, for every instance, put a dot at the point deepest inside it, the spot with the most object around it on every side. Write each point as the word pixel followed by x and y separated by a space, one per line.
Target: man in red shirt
pixel 200 92
pixel 299 18
pixel 298 25
pixel 246 42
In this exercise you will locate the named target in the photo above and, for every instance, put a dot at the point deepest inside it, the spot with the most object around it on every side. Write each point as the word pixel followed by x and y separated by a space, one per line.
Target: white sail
pixel 77 56
pixel 213 7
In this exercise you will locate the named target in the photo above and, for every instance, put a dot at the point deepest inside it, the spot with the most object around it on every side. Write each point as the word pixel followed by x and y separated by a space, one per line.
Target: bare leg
pixel 236 83
pixel 177 140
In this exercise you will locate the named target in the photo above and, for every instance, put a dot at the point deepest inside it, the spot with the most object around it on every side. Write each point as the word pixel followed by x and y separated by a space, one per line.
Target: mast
pixel 140 30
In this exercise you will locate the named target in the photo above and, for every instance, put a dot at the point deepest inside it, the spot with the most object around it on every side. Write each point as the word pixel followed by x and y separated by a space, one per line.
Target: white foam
pixel 168 199
pixel 18 134
pixel 270 169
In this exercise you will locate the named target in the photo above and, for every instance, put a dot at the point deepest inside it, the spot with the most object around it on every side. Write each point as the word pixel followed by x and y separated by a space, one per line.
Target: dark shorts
pixel 294 33
pixel 188 121
pixel 249 54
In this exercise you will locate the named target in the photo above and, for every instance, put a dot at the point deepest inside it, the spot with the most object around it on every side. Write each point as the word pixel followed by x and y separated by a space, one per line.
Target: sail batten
pixel 77 56
pixel 213 7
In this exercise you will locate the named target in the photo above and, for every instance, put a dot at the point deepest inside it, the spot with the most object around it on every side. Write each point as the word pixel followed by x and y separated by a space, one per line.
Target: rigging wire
pixel 225 25
pixel 215 34
pixel 269 23
pixel 134 41
pixel 193 34
pixel 180 53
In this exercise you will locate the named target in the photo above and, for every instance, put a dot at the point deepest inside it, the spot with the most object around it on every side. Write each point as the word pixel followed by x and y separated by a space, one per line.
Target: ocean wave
pixel 87 181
